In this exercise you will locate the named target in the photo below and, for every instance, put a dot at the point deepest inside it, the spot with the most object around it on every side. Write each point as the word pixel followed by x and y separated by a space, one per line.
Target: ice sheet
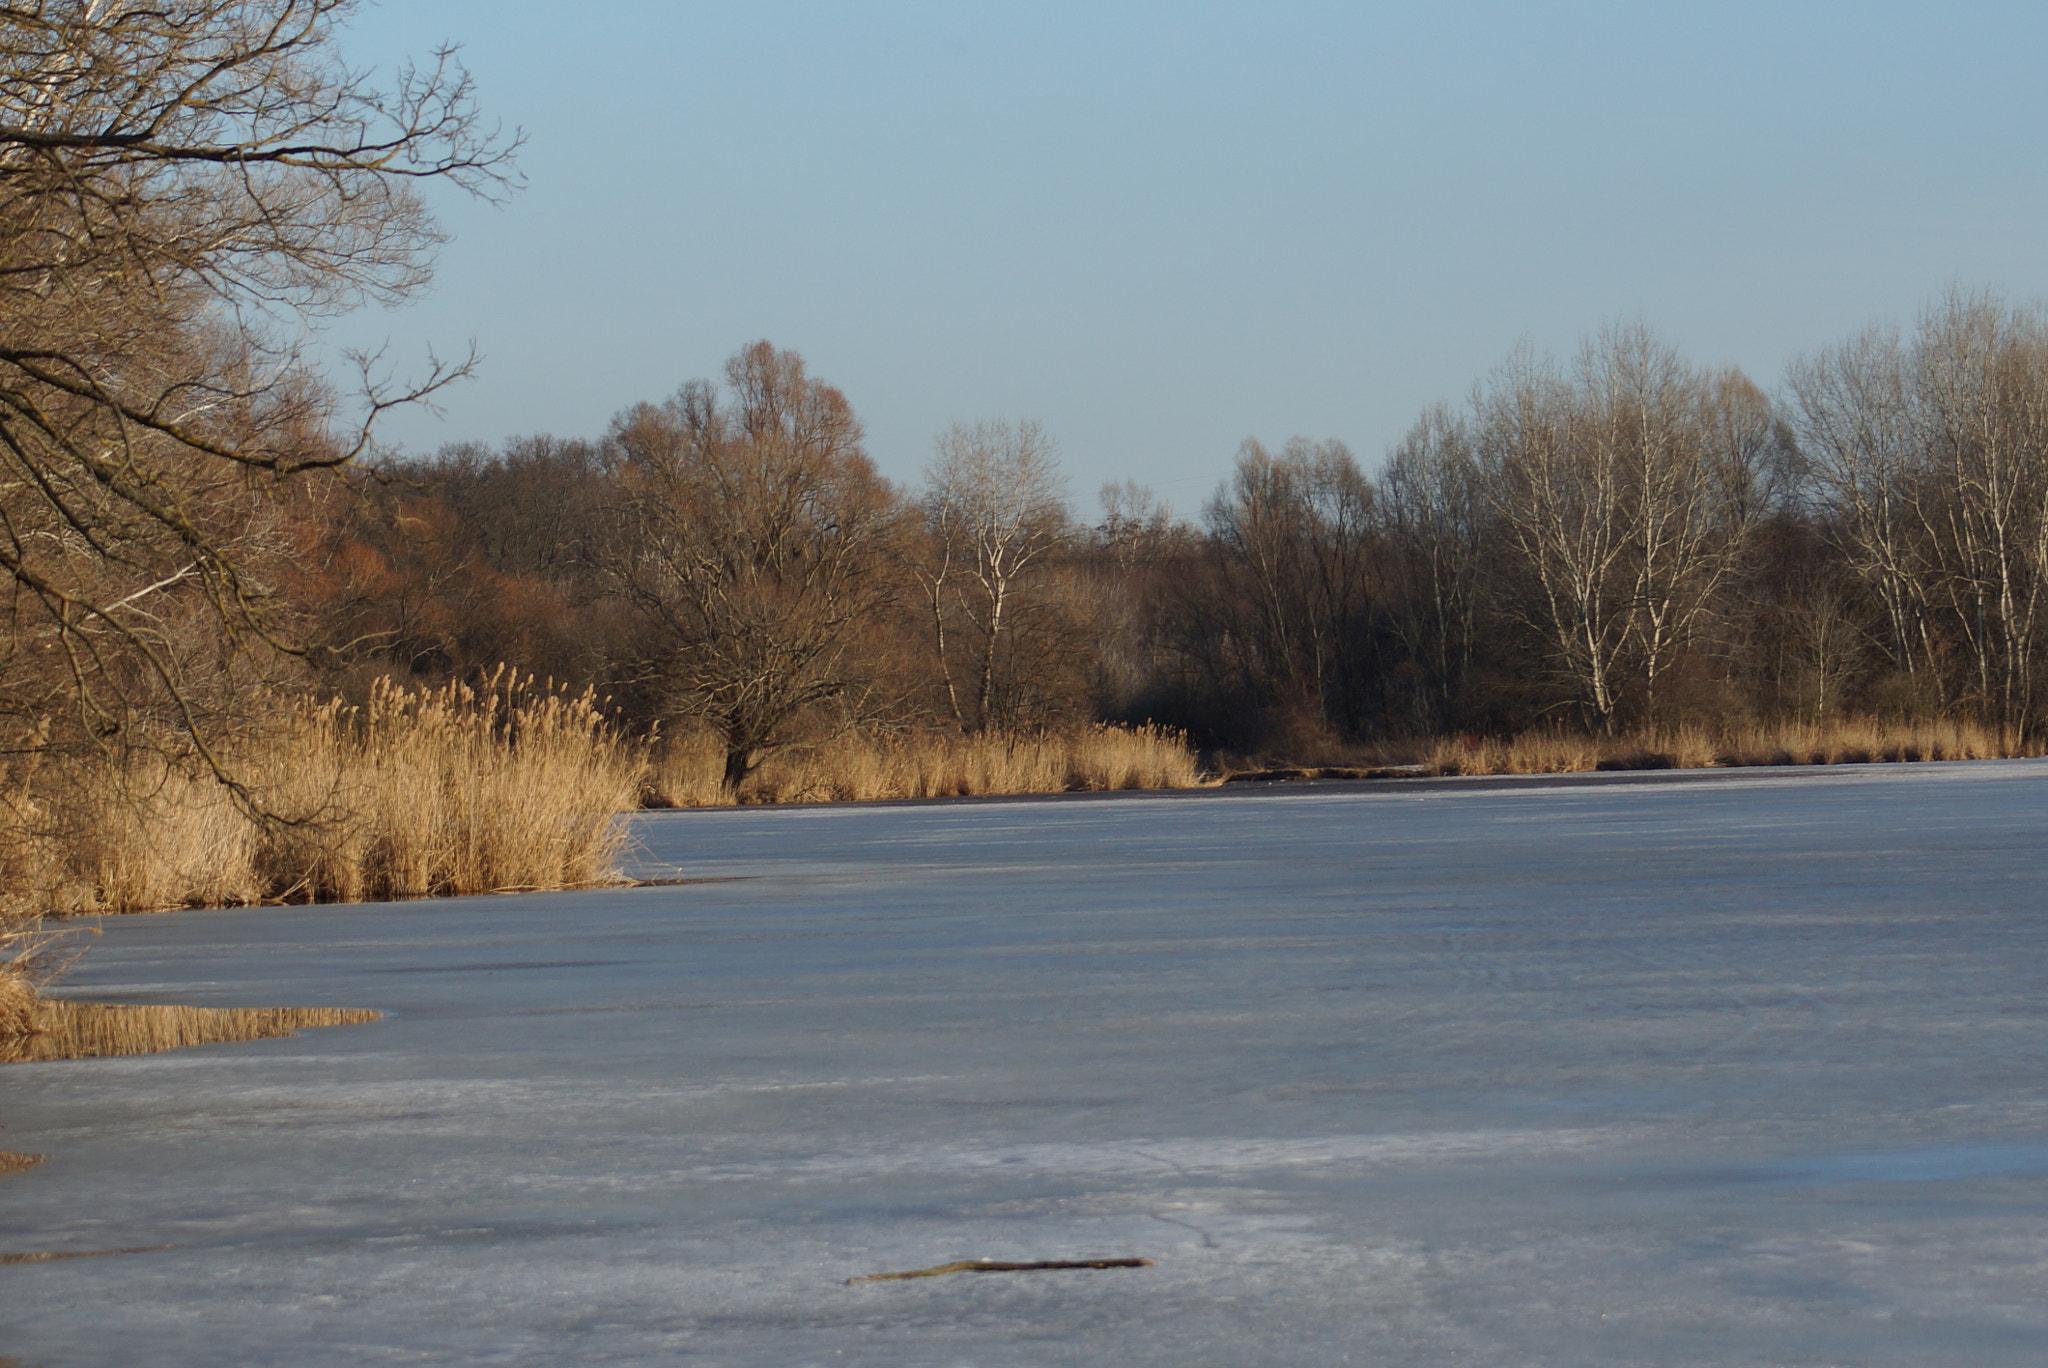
pixel 1732 1069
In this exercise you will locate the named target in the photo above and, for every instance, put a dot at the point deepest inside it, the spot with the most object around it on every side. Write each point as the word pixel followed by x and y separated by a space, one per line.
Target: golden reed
pixel 416 793
pixel 83 1030
pixel 507 785
pixel 1844 741
pixel 686 771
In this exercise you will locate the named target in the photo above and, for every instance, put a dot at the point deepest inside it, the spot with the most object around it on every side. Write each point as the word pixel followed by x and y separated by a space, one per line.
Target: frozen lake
pixel 1735 1068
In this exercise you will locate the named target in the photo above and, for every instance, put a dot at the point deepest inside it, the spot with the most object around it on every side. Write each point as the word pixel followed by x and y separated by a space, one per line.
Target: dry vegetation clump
pixel 1840 742
pixel 687 771
pixel 455 790
pixel 1527 753
pixel 81 1030
pixel 450 791
pixel 1862 740
pixel 29 957
pixel 17 979
pixel 461 789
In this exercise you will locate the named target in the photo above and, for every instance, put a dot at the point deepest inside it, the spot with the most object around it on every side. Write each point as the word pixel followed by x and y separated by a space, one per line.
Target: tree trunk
pixel 739 763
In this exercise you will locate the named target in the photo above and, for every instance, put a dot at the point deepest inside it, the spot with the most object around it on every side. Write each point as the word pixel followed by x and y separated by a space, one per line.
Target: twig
pixel 996 1266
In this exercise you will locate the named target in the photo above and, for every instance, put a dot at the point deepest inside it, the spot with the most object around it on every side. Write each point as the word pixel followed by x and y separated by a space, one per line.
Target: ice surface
pixel 1740 1068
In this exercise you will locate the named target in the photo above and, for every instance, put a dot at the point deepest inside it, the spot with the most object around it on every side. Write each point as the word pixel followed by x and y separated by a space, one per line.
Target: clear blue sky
pixel 1160 228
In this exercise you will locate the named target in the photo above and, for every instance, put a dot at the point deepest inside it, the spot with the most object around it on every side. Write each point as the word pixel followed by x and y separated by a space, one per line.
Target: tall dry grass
pixel 455 790
pixel 687 771
pixel 85 1030
pixel 1835 742
pixel 413 794
pixel 18 976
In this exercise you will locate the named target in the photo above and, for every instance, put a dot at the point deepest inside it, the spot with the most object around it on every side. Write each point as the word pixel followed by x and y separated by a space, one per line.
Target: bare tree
pixel 1627 492
pixel 995 509
pixel 1561 516
pixel 754 535
pixel 1854 426
pixel 1931 454
pixel 1136 525
pixel 1703 441
pixel 1981 372
pixel 1827 641
pixel 183 191
pixel 1296 541
pixel 1437 526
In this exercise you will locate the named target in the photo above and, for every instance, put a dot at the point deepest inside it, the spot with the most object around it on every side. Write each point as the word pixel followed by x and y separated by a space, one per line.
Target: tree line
pixel 1618 540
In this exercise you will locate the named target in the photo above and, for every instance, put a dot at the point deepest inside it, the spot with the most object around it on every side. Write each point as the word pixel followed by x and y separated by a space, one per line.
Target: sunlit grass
pixel 414 794
pixel 686 771
pixel 81 1030
pixel 1842 741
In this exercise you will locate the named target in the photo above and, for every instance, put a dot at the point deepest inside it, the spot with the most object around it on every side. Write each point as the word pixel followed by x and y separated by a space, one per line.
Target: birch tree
pixel 1852 413
pixel 1928 455
pixel 995 511
pixel 1980 372
pixel 1626 491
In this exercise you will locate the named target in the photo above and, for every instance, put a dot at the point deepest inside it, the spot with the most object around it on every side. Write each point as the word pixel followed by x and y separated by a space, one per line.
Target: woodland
pixel 1618 542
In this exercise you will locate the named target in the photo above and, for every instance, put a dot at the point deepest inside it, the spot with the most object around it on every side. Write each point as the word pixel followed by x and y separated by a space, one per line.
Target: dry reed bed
pixel 686 771
pixel 84 1030
pixel 1849 741
pixel 414 794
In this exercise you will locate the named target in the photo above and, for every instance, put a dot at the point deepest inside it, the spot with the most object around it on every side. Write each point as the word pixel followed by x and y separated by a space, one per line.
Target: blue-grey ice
pixel 1734 1068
